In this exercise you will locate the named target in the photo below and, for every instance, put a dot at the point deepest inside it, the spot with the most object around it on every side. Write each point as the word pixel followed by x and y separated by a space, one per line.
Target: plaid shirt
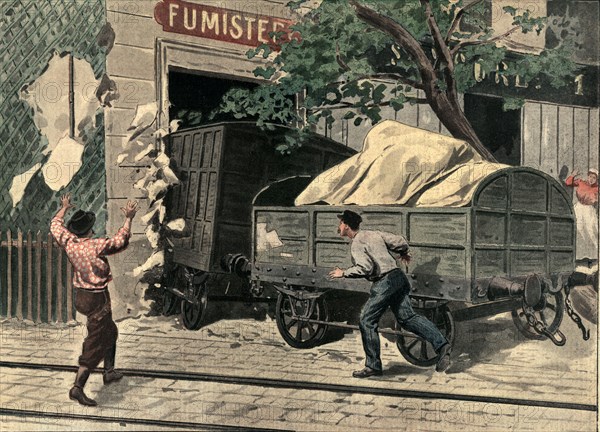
pixel 88 255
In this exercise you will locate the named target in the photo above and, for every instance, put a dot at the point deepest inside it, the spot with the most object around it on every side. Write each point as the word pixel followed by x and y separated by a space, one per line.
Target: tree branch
pixel 458 18
pixel 419 101
pixel 402 37
pixel 383 76
pixel 338 58
pixel 483 42
pixel 438 40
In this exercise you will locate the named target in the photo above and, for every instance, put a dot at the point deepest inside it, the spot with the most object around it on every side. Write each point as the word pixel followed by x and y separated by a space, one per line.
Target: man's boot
pixel 76 392
pixel 110 375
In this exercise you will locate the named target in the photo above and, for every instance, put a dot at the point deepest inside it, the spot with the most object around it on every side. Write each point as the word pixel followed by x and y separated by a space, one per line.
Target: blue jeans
pixel 392 290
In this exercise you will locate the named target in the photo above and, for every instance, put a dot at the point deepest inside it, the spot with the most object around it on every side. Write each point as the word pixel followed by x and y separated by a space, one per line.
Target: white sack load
pixel 396 165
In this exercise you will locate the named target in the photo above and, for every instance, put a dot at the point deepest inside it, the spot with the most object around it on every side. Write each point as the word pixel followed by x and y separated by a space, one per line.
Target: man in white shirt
pixel 372 259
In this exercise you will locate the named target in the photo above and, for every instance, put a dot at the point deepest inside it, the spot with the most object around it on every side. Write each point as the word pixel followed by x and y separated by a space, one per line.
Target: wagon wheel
pixel 192 310
pixel 172 278
pixel 298 333
pixel 420 352
pixel 549 311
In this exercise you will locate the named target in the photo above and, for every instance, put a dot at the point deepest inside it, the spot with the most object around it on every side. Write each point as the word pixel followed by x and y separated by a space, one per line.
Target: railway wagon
pixel 510 249
pixel 221 167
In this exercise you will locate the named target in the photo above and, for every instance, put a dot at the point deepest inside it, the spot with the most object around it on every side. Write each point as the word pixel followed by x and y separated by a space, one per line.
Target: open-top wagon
pixel 510 248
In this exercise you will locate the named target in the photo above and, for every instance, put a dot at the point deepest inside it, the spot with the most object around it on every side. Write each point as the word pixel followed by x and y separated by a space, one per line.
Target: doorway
pixel 195 99
pixel 498 130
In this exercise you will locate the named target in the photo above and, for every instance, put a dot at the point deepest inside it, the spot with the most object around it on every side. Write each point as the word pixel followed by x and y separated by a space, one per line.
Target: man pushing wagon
pixel 372 259
pixel 91 277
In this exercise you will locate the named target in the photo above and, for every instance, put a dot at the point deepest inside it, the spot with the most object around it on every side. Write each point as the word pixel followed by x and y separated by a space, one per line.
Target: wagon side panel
pixel 523 224
pixel 197 156
pixel 440 247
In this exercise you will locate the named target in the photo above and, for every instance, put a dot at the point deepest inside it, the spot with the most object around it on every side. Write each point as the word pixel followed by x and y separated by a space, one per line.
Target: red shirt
pixel 88 255
pixel 586 193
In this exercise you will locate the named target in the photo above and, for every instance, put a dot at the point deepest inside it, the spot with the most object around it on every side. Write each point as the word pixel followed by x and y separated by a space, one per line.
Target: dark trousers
pixel 392 290
pixel 101 340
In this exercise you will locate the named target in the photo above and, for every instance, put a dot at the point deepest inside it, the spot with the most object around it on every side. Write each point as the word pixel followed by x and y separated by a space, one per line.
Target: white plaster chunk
pixel 141 155
pixel 48 95
pixel 144 117
pixel 174 125
pixel 148 177
pixel 160 133
pixel 20 182
pixel 121 158
pixel 156 188
pixel 156 259
pixel 153 210
pixel 162 212
pixel 62 165
pixel 266 240
pixel 177 225
pixel 170 176
pixel 152 237
pixel 161 160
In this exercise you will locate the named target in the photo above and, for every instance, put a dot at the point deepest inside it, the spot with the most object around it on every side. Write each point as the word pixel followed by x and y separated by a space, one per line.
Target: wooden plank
pixel 9 274
pixel 59 285
pixel 437 228
pixel 581 140
pixel 38 276
pixel 594 140
pixel 29 277
pixel 531 134
pixel 49 278
pixel 565 140
pixel 70 315
pixel 549 140
pixel 19 274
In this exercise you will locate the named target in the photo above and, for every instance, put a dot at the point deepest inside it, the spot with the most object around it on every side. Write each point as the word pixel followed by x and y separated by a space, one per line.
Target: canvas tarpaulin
pixel 402 165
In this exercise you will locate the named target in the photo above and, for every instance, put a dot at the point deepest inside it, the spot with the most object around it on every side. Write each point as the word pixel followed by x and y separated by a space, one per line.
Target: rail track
pixel 304 385
pixel 171 425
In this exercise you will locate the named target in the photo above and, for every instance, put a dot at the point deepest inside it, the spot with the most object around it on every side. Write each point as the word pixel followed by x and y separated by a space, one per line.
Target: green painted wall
pixel 31 30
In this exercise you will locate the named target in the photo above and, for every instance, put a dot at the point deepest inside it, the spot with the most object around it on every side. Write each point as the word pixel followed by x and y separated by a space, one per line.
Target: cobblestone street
pixel 490 359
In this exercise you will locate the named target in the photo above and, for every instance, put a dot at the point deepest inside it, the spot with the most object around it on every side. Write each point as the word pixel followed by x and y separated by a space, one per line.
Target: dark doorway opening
pixel 498 130
pixel 195 98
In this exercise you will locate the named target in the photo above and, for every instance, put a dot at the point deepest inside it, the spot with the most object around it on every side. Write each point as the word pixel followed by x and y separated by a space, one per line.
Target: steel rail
pixel 129 420
pixel 307 385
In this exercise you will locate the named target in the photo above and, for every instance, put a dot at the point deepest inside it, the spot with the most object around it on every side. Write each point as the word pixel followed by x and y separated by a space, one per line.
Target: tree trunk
pixel 452 117
pixel 444 104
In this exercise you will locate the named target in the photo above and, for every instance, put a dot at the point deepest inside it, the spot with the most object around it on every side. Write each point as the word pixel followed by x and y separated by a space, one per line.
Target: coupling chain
pixel 574 315
pixel 542 329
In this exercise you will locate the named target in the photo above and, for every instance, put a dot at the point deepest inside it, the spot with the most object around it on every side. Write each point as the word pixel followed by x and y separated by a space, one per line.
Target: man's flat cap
pixel 350 218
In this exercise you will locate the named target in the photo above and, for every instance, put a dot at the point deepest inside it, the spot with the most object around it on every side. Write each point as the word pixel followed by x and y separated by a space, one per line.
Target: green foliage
pixel 511 103
pixel 345 68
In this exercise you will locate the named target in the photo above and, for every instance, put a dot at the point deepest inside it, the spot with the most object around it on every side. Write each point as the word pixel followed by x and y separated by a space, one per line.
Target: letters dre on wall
pixel 194 19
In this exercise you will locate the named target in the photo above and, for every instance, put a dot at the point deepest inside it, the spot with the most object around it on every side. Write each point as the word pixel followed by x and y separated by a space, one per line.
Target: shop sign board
pixel 194 19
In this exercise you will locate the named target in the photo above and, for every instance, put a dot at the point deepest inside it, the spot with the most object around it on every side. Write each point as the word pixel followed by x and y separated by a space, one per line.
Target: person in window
pixel 372 259
pixel 586 211
pixel 91 277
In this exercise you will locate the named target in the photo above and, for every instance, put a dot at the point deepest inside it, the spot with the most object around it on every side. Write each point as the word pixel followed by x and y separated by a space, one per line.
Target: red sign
pixel 177 16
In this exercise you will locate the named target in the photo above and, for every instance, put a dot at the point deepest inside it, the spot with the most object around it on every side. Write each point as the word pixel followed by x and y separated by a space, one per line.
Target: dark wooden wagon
pixel 221 168
pixel 511 248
